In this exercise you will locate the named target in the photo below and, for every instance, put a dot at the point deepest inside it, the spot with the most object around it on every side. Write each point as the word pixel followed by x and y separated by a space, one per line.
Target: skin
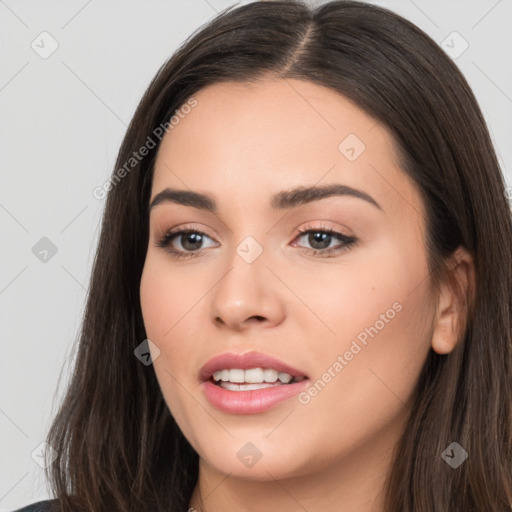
pixel 241 144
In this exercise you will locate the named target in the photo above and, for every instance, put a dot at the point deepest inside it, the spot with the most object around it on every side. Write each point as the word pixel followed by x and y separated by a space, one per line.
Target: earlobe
pixel 456 293
pixel 444 337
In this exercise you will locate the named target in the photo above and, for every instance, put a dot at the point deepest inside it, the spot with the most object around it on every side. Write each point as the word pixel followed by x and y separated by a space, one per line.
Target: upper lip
pixel 244 361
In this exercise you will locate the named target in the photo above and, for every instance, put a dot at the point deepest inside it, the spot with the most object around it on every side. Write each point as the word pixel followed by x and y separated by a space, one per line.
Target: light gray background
pixel 61 123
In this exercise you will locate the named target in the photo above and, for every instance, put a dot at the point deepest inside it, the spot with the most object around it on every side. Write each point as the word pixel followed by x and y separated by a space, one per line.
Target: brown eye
pixel 190 241
pixel 320 240
pixel 183 242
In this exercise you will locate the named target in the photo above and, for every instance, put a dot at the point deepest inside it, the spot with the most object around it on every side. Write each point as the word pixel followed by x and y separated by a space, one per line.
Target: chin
pixel 259 460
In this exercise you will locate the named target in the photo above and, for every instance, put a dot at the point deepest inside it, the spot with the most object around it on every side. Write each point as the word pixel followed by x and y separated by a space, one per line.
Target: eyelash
pixel 347 241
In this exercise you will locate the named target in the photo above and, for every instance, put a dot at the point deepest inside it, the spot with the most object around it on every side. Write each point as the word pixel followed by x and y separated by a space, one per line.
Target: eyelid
pixel 184 227
pixel 324 226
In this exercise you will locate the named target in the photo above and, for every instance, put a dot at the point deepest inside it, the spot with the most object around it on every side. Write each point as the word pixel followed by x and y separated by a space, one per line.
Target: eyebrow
pixel 280 201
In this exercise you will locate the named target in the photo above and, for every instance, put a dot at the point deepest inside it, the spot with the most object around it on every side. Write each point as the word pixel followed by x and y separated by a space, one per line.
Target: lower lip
pixel 253 401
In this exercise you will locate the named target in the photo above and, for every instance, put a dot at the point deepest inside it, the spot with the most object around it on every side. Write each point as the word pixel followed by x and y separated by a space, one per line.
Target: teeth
pixel 236 376
pixel 285 377
pixel 253 376
pixel 247 387
pixel 270 375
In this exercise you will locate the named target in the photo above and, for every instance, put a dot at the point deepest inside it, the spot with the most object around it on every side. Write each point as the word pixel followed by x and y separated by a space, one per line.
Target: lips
pixel 245 361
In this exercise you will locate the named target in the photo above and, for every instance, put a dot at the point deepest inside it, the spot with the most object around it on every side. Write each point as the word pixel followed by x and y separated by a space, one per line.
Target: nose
pixel 247 296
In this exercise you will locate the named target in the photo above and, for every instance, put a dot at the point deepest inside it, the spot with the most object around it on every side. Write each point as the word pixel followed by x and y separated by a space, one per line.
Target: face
pixel 335 286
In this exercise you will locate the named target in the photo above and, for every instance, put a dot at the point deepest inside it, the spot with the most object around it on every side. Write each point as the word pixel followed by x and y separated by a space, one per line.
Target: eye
pixel 186 242
pixel 183 242
pixel 324 241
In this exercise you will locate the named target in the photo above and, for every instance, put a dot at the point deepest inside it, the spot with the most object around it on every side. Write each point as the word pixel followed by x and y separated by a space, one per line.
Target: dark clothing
pixel 40 506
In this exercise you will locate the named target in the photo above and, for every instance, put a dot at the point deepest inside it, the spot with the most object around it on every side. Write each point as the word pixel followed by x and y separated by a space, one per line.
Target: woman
pixel 301 298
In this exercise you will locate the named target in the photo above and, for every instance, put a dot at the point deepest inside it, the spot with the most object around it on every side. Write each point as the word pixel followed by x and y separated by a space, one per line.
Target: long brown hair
pixel 118 446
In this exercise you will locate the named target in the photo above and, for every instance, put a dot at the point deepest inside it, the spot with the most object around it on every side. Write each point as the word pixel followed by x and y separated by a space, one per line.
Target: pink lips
pixel 255 400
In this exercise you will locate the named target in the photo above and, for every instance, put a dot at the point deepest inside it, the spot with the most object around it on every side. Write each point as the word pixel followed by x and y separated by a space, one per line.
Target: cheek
pixel 150 306
pixel 166 298
pixel 366 380
pixel 173 305
pixel 162 308
pixel 165 303
pixel 365 376
pixel 376 313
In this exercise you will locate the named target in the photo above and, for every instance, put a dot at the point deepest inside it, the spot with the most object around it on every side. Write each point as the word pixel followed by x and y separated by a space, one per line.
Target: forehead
pixel 259 138
pixel 282 114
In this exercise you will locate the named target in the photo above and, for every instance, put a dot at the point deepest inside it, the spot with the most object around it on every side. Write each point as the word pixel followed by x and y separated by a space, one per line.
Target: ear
pixel 455 296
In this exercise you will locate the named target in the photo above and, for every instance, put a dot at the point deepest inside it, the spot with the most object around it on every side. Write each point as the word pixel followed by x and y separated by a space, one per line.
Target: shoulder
pixel 41 506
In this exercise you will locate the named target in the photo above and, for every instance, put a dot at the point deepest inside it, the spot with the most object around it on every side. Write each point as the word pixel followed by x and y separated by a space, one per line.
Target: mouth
pixel 249 371
pixel 238 379
pixel 250 382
